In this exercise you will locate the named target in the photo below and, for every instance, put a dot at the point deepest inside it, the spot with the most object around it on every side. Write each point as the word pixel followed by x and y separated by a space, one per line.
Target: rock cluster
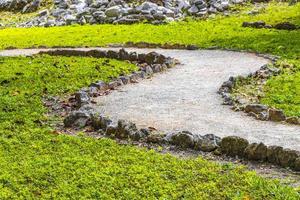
pixel 280 26
pixel 24 6
pixel 66 12
pixel 259 111
pixel 236 146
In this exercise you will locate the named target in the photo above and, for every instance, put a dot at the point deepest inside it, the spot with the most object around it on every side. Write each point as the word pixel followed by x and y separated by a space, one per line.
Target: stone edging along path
pixel 148 64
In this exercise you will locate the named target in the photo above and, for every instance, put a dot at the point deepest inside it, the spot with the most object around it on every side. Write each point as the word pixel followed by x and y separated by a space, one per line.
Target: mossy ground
pixel 37 162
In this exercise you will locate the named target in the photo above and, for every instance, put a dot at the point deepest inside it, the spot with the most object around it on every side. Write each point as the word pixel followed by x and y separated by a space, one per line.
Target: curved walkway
pixel 185 98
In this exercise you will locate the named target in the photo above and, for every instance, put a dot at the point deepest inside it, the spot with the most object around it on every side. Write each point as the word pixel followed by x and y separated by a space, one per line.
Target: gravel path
pixel 185 98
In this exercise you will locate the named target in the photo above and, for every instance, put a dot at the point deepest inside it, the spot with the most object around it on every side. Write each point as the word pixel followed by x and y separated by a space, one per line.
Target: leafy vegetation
pixel 284 91
pixel 37 162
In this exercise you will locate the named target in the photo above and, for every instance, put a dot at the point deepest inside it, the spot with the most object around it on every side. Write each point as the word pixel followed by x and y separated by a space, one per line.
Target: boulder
pixel 184 139
pixel 79 118
pixel 208 143
pixel 297 164
pixel 287 157
pixel 293 120
pixel 114 11
pixel 272 154
pixel 156 137
pixel 255 108
pixel 256 151
pixel 276 115
pixel 233 146
pixel 285 26
pixel 82 98
pixel 128 130
pixel 32 7
pixel 100 85
pixel 100 122
pixel 258 24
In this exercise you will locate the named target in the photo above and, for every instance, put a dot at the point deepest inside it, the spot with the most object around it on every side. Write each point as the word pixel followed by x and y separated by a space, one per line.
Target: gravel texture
pixel 185 98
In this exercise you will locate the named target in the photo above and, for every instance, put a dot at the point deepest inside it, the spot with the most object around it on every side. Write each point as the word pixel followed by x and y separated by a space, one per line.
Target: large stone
pixel 184 139
pixel 285 26
pixel 114 11
pixel 258 24
pixel 287 157
pixel 148 6
pixel 272 154
pixel 79 118
pixel 293 120
pixel 208 143
pixel 100 122
pixel 297 164
pixel 255 108
pixel 276 115
pixel 128 130
pixel 101 85
pixel 32 7
pixel 82 98
pixel 256 151
pixel 233 146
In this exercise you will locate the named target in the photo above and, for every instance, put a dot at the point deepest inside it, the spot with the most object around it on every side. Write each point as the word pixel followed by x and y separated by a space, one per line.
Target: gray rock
pixel 256 151
pixel 156 137
pixel 148 70
pixel 147 6
pixel 79 118
pixel 100 122
pixel 272 154
pixel 43 13
pixel 114 11
pixel 32 7
pixel 255 108
pixel 293 120
pixel 297 164
pixel 184 139
pixel 182 4
pixel 114 84
pixel 233 146
pixel 193 10
pixel 82 98
pixel 70 19
pixel 276 115
pixel 207 143
pixel 129 130
pixel 101 85
pixel 125 79
pixel 285 26
pixel 258 24
pixel 287 158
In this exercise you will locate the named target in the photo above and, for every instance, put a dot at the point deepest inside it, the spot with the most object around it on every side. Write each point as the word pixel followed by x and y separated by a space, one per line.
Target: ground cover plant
pixel 38 162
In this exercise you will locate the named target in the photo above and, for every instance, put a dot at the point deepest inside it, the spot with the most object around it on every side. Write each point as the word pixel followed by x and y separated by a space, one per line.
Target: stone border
pixel 258 111
pixel 82 115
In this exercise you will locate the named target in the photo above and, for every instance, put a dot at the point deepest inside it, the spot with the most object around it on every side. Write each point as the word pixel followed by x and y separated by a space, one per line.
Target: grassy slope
pixel 37 162
pixel 222 32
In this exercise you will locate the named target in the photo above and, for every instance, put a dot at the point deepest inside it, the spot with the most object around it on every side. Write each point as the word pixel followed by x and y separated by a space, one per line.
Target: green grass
pixel 37 162
pixel 284 91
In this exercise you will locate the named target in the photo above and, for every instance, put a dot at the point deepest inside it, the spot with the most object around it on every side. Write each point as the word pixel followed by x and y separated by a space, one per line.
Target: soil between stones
pixel 185 98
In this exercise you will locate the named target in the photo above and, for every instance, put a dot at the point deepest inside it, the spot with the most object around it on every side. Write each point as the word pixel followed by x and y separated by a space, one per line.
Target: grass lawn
pixel 36 162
